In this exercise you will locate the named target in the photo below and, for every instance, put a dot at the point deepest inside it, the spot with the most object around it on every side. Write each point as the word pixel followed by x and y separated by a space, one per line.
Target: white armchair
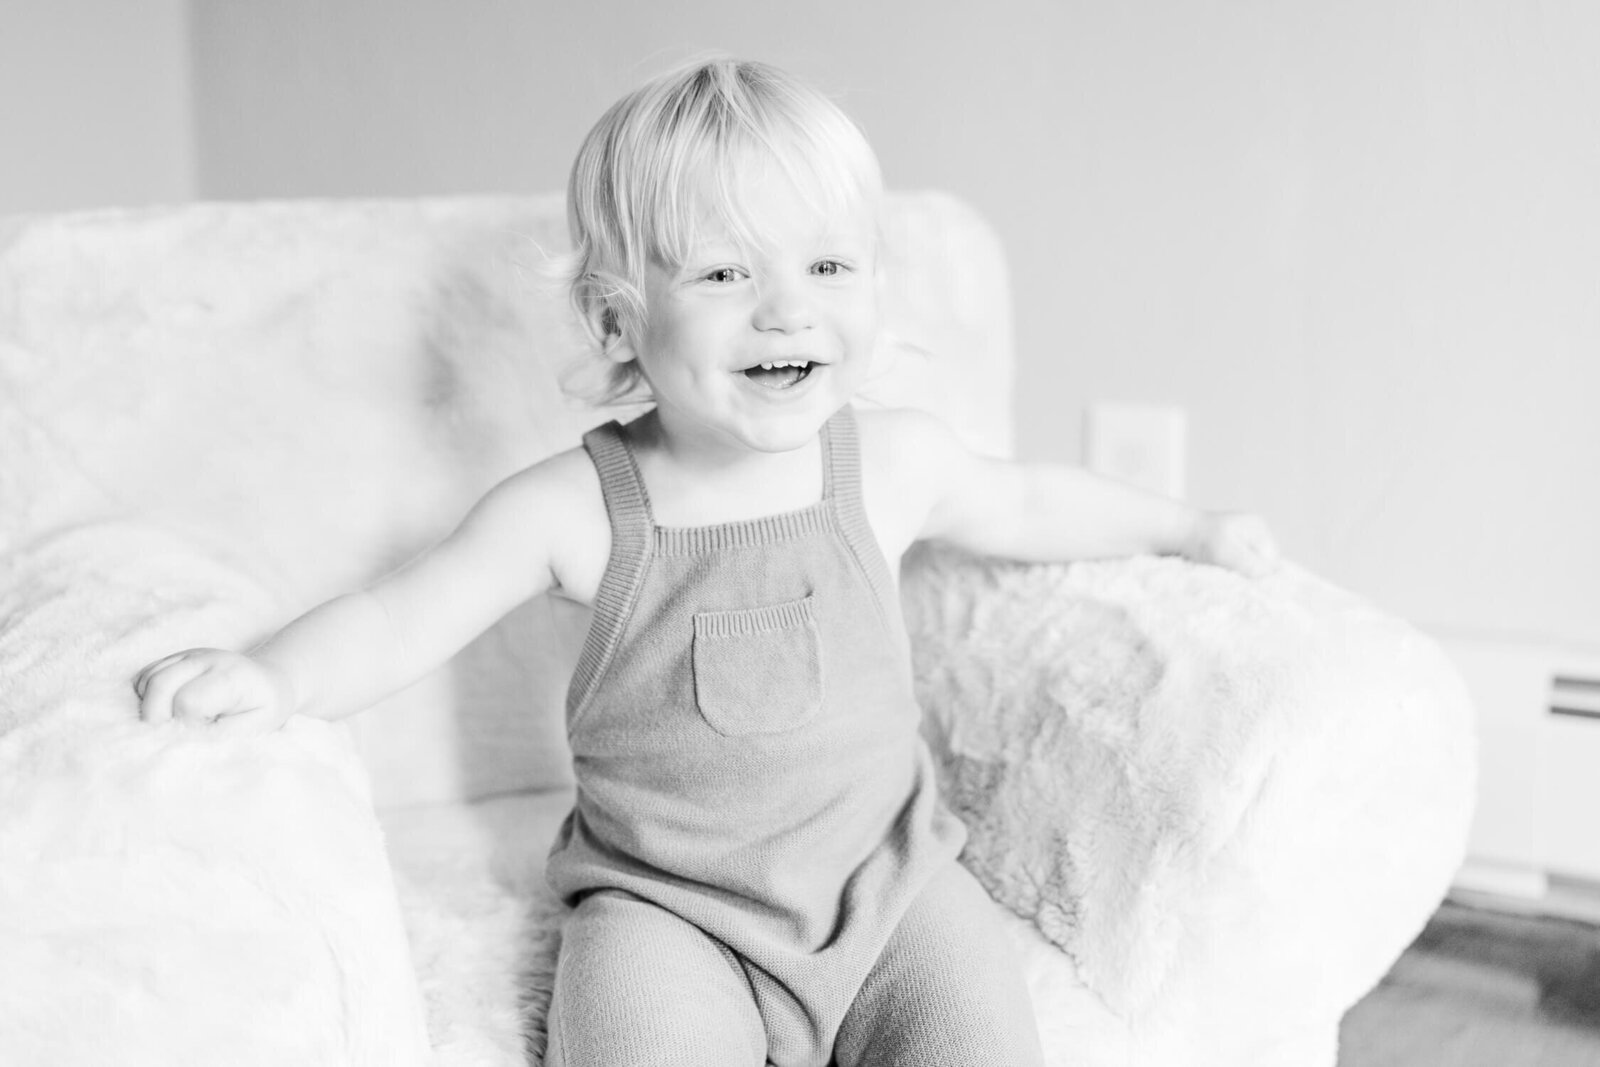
pixel 1214 810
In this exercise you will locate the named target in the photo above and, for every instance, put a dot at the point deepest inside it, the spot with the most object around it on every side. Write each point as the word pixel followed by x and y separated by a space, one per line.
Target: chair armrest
pixel 1198 786
pixel 168 896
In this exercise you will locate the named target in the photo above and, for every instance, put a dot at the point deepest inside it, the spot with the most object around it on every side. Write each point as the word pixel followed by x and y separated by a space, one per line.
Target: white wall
pixel 94 104
pixel 1360 242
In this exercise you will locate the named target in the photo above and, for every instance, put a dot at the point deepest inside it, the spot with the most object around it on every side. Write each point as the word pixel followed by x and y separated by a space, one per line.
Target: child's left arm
pixel 1046 512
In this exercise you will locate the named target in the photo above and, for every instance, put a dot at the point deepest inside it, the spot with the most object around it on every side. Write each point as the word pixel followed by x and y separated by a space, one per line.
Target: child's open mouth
pixel 781 374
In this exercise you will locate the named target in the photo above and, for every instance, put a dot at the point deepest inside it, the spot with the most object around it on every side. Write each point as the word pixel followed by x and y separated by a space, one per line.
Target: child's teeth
pixel 779 373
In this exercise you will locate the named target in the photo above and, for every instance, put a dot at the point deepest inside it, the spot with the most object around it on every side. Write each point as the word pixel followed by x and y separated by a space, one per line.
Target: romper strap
pixel 627 501
pixel 844 488
pixel 632 529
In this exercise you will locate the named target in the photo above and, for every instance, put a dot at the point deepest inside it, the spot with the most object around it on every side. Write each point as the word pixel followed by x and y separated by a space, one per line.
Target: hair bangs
pixel 819 152
pixel 719 202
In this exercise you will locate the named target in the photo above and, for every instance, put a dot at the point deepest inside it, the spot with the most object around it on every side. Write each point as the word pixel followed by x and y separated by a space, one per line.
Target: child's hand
pixel 211 687
pixel 1238 542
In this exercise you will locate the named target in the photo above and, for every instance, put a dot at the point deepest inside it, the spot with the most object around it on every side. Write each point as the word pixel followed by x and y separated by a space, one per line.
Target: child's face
pixel 808 295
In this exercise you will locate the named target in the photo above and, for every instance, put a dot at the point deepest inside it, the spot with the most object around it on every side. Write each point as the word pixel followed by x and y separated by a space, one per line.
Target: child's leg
pixel 948 989
pixel 635 984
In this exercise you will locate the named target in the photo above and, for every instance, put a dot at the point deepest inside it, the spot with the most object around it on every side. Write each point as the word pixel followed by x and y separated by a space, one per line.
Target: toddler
pixel 760 867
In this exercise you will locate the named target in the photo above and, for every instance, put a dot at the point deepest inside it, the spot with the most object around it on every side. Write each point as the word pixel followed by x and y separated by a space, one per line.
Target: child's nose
pixel 782 307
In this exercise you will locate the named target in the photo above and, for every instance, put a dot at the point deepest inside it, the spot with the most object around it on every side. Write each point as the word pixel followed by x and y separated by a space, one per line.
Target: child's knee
pixel 948 988
pixel 635 982
pixel 953 918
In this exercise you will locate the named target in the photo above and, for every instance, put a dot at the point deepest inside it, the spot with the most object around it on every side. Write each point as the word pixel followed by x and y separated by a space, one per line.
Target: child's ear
pixel 607 326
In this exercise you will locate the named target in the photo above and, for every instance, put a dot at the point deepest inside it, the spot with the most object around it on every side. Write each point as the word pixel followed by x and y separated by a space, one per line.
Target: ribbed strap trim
pixel 844 479
pixel 628 505
pixel 689 540
pixel 769 529
pixel 743 622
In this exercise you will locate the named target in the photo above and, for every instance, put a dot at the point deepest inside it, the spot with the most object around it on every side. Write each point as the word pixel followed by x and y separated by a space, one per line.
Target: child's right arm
pixel 354 650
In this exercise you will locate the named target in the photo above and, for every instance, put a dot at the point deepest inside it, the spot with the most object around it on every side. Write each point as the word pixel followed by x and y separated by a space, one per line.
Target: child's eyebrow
pixel 847 238
pixel 710 239
pixel 723 249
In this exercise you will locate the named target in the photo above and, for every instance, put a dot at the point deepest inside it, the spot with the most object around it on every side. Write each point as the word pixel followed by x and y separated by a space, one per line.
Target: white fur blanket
pixel 1230 804
pixel 166 898
pixel 1228 801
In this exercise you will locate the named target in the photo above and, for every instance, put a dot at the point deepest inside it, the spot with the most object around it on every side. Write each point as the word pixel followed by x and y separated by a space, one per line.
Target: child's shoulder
pixel 556 505
pixel 546 499
pixel 906 440
pixel 908 459
pixel 565 477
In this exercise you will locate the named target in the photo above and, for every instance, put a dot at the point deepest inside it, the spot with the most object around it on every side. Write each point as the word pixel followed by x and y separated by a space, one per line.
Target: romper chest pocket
pixel 758 670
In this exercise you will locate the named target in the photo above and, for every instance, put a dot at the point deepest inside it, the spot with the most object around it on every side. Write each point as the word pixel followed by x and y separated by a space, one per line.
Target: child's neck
pixel 691 484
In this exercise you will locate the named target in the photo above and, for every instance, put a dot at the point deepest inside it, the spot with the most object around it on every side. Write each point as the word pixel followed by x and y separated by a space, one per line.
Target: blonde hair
pixel 642 180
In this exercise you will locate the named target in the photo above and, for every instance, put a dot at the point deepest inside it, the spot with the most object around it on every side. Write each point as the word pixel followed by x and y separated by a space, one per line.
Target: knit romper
pixel 745 742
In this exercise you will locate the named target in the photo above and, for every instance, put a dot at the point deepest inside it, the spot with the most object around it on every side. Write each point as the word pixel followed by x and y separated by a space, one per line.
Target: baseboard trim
pixel 1526 891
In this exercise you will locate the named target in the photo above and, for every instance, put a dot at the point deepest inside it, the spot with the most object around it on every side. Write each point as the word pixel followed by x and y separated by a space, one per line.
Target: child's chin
pixel 789 431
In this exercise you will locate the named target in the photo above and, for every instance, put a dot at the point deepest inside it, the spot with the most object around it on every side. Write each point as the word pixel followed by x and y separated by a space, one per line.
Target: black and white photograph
pixel 683 533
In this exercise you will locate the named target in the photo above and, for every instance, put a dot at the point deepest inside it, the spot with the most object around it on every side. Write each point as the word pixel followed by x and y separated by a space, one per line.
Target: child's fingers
pixel 1267 549
pixel 1258 545
pixel 252 722
pixel 1260 566
pixel 162 686
pixel 1248 546
pixel 209 696
pixel 142 680
pixel 1266 560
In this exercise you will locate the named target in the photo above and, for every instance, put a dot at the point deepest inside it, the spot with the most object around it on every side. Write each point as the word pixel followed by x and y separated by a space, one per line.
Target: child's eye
pixel 723 275
pixel 829 268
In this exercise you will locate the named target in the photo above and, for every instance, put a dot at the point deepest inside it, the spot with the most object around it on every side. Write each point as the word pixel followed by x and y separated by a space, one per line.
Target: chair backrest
pixel 314 391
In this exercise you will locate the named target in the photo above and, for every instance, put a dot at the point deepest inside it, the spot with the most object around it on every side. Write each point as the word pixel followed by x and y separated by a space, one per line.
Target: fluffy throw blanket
pixel 167 898
pixel 1188 781
pixel 1216 810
